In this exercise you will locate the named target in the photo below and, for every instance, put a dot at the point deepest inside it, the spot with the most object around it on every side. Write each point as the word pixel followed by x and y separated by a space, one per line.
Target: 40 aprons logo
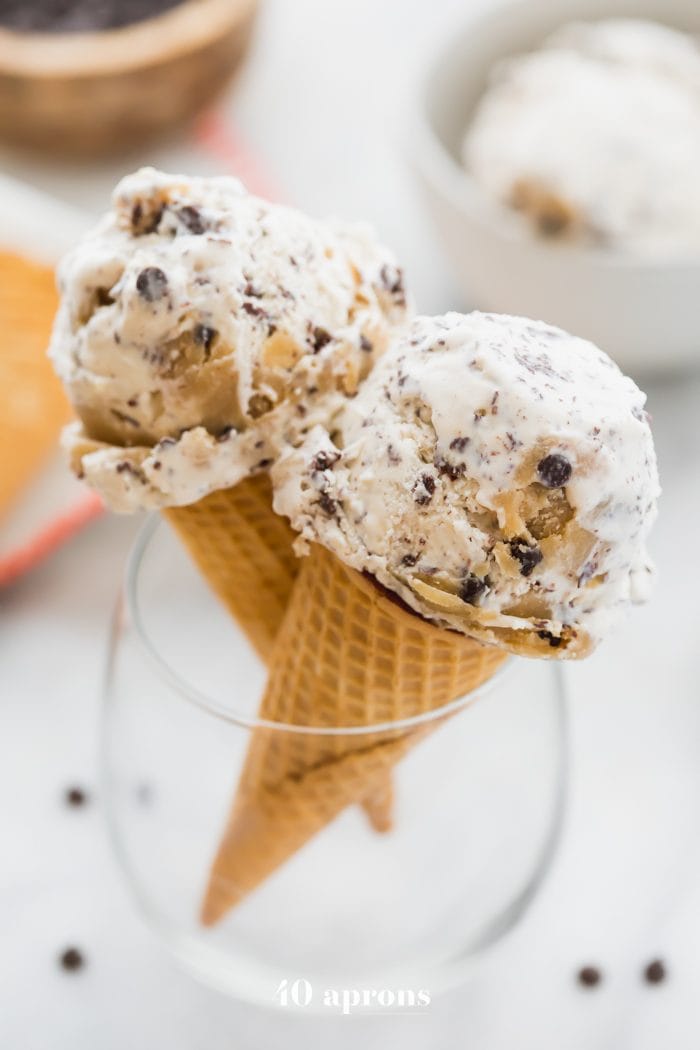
pixel 300 994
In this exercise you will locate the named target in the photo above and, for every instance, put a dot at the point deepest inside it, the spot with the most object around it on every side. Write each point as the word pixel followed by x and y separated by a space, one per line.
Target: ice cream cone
pixel 244 551
pixel 348 654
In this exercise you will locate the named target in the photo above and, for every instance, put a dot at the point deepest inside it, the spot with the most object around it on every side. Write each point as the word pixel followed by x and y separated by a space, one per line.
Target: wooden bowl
pixel 94 93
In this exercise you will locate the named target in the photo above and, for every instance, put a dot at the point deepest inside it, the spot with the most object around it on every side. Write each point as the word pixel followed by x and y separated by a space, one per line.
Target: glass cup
pixel 477 811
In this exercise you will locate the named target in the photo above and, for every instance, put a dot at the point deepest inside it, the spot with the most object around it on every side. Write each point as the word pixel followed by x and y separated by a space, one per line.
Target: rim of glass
pixel 188 691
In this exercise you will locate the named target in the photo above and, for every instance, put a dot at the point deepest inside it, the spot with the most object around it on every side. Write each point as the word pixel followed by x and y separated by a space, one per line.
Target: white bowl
pixel 644 313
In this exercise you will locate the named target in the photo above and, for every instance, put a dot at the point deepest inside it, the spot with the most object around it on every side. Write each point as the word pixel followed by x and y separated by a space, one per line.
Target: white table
pixel 321 103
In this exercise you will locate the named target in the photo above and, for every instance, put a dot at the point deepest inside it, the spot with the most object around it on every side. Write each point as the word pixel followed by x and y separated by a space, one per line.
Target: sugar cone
pixel 244 551
pixel 347 654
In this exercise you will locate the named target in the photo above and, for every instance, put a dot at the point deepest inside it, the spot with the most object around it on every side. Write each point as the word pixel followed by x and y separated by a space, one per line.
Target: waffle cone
pixel 244 551
pixel 348 654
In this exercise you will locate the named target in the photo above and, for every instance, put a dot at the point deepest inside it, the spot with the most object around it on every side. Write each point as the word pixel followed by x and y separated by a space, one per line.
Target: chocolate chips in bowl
pixel 85 78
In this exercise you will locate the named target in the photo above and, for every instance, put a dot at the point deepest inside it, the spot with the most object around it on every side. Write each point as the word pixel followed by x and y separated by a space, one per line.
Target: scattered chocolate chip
pixel 325 460
pixel 144 794
pixel 655 972
pixel 451 470
pixel 75 797
pixel 204 336
pixel 554 471
pixel 459 444
pixel 327 504
pixel 409 560
pixel 133 402
pixel 157 465
pixel 553 640
pixel 472 588
pixel 125 467
pixel 529 557
pixel 251 291
pixel 423 489
pixel 589 977
pixel 392 279
pixel 71 960
pixel 254 311
pixel 151 284
pixel 366 345
pixel 263 464
pixel 321 338
pixel 192 219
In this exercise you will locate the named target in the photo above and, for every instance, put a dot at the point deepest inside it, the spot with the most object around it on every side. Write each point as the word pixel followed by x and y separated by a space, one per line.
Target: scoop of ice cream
pixel 202 328
pixel 496 473
pixel 597 136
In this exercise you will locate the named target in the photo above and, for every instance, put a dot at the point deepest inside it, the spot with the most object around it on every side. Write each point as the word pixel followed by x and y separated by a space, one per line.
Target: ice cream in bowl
pixel 556 145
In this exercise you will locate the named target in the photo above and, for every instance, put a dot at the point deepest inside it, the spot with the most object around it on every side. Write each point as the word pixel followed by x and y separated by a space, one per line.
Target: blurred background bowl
pixel 93 93
pixel 644 312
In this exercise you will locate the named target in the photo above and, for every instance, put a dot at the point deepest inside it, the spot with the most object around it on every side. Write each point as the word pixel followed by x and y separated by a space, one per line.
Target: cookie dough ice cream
pixel 497 474
pixel 202 329
pixel 596 137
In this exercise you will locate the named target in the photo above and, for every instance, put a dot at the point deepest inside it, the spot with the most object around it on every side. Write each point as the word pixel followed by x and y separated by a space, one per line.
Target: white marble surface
pixel 321 102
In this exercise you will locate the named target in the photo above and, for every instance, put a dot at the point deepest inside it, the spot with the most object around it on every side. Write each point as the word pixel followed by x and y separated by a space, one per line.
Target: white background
pixel 323 102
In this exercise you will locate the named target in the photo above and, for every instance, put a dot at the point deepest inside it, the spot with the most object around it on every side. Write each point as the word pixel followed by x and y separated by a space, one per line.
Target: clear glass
pixel 478 808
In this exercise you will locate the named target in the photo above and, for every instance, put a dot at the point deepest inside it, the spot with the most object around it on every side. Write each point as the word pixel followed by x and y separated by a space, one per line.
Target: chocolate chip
pixel 254 311
pixel 409 560
pixel 589 977
pixel 321 338
pixel 459 444
pixel 144 794
pixel 366 345
pixel 392 280
pixel 191 218
pixel 423 489
pixel 451 470
pixel 75 797
pixel 151 284
pixel 655 972
pixel 251 291
pixel 325 460
pixel 327 504
pixel 554 471
pixel 204 336
pixel 472 588
pixel 529 557
pixel 71 959
pixel 553 640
